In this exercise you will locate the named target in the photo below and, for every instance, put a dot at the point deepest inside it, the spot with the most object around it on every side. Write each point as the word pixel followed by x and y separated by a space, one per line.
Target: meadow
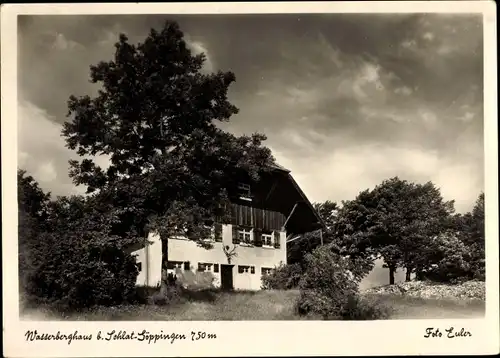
pixel 259 305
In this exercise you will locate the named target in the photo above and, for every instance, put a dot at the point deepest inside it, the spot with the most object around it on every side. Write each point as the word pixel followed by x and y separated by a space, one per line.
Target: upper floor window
pixel 267 239
pixel 244 191
pixel 244 235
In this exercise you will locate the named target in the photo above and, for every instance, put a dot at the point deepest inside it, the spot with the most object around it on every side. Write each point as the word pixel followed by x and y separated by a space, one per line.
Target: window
pixel 267 239
pixel 245 235
pixel 266 271
pixel 246 269
pixel 205 267
pixel 244 191
pixel 173 265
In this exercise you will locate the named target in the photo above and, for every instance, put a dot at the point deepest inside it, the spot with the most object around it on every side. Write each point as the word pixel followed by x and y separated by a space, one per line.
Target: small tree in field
pixel 171 168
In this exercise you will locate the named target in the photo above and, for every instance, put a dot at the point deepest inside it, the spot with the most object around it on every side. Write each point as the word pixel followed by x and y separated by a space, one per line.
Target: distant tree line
pixel 410 226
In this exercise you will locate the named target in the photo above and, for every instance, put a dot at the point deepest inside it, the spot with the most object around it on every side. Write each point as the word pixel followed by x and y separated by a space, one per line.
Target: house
pixel 263 217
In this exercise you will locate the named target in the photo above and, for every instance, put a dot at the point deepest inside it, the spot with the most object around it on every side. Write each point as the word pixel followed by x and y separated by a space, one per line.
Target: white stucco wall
pixel 150 274
pixel 183 250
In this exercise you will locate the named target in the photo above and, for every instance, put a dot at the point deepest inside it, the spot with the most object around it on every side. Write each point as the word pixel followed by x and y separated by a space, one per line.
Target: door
pixel 227 277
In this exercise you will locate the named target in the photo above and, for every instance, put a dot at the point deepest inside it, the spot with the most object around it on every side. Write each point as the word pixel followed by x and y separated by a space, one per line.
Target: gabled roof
pixel 304 200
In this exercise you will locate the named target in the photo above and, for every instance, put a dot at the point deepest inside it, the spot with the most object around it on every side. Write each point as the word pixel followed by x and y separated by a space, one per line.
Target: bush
pixel 361 308
pixel 283 277
pixel 73 273
pixel 169 295
pixel 327 285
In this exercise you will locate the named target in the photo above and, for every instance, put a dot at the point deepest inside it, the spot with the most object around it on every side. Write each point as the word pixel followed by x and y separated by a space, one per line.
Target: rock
pixel 425 289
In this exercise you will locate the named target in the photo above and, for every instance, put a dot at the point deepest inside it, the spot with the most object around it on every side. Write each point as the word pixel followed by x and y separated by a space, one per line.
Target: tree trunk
pixel 392 271
pixel 408 274
pixel 164 261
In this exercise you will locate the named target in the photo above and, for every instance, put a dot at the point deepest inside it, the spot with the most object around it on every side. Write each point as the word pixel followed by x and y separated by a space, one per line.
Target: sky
pixel 346 100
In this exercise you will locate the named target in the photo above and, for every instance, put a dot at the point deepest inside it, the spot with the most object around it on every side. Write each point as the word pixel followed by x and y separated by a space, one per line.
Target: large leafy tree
pixel 171 167
pixel 396 221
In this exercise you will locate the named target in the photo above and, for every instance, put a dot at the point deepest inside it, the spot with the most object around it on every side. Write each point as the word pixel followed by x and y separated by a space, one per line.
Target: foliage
pixel 76 262
pixel 172 168
pixel 32 212
pixel 283 277
pixel 32 200
pixel 360 308
pixel 395 221
pixel 451 259
pixel 297 248
pixel 327 285
pixel 470 229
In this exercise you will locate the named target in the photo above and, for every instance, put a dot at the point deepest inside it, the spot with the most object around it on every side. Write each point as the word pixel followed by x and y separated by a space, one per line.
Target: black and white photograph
pixel 289 166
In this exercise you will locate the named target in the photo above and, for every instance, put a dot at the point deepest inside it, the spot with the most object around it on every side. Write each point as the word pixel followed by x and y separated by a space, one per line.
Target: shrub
pixel 361 308
pixel 168 295
pixel 327 285
pixel 73 274
pixel 283 277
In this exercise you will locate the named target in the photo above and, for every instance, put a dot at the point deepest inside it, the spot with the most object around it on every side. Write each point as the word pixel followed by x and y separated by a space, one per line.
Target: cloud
pixel 42 152
pixel 381 95
pixel 341 172
pixel 429 36
pixel 61 43
pixel 198 47
pixel 405 91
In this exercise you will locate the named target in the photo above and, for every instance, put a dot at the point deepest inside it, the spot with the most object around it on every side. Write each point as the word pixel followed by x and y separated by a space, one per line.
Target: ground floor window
pixel 178 265
pixel 246 269
pixel 207 267
pixel 266 271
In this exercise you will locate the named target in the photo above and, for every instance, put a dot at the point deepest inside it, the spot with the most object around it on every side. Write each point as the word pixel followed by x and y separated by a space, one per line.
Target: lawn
pixel 261 305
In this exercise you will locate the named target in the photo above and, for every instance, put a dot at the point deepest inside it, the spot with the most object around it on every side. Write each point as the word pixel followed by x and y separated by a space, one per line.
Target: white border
pixel 250 338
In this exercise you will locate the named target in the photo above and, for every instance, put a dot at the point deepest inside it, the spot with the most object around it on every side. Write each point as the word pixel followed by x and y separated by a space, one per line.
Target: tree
pixel 79 262
pixel 470 229
pixel 395 221
pixel 171 169
pixel 306 243
pixel 31 199
pixel 32 211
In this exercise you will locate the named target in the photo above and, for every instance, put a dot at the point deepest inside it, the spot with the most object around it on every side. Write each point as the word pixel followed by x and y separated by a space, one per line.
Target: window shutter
pixel 236 240
pixel 218 232
pixel 257 237
pixel 216 268
pixel 277 239
pixel 187 266
pixel 252 269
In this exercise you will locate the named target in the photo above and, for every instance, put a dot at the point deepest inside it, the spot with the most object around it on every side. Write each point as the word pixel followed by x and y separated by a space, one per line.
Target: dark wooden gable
pixel 273 200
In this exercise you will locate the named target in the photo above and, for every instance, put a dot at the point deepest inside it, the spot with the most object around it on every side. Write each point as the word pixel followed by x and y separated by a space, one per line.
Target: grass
pixel 261 305
pixel 407 307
